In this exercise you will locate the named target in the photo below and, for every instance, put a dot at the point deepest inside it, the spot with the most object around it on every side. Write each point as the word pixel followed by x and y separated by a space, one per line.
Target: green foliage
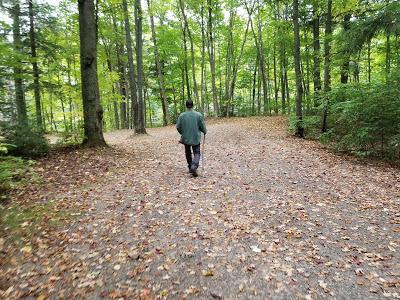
pixel 365 118
pixel 70 139
pixel 24 141
pixel 311 125
pixel 13 171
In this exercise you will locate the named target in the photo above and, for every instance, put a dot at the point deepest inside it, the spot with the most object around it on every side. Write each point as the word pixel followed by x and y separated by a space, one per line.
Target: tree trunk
pixel 344 72
pixel 259 91
pixel 283 92
pixel 287 90
pixel 22 116
pixel 299 86
pixel 71 119
pixel 276 88
pixel 164 101
pixel 387 58
pixel 253 101
pixel 307 55
pixel 237 63
pixel 260 52
pixel 185 63
pixel 228 64
pixel 211 55
pixel 327 63
pixel 115 104
pixel 195 92
pixel 131 66
pixel 122 79
pixel 140 124
pixel 122 90
pixel 369 61
pixel 316 54
pixel 35 69
pixel 203 59
pixel 92 111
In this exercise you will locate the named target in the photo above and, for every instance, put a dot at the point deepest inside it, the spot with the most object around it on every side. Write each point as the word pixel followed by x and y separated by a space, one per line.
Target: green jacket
pixel 189 125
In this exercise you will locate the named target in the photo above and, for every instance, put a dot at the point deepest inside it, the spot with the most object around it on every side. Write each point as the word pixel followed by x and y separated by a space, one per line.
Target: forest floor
pixel 270 217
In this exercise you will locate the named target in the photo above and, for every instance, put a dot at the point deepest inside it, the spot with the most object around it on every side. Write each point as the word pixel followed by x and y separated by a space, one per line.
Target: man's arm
pixel 202 124
pixel 179 125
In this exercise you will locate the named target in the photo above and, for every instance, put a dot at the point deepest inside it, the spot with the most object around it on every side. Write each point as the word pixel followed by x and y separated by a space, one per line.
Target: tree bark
pixel 344 72
pixel 22 116
pixel 195 91
pixel 276 88
pixel 260 52
pixel 299 87
pixel 316 55
pixel 387 57
pixel 185 63
pixel 164 101
pixel 369 61
pixel 253 101
pixel 211 55
pixel 228 64
pixel 327 63
pixel 140 124
pixel 131 66
pixel 122 79
pixel 35 69
pixel 203 59
pixel 237 63
pixel 92 111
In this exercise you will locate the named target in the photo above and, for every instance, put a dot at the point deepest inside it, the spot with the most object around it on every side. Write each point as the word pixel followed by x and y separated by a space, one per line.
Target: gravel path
pixel 269 217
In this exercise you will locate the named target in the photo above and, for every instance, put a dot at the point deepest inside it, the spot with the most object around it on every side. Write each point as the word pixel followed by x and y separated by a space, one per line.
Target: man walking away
pixel 190 125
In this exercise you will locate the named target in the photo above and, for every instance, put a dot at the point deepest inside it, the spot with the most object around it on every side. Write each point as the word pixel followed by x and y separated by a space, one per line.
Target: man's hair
pixel 189 103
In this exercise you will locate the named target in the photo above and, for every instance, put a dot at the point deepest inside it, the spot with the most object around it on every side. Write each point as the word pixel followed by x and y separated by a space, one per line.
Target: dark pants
pixel 196 152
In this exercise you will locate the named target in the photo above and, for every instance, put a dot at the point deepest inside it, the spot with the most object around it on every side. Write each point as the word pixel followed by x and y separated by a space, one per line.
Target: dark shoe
pixel 193 171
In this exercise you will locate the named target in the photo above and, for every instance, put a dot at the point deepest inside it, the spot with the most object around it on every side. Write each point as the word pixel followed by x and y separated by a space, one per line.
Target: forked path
pixel 269 217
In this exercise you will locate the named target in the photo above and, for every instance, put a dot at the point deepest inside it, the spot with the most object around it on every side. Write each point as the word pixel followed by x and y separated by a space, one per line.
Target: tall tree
pixel 258 39
pixel 131 66
pixel 344 72
pixel 164 101
pixel 316 54
pixel 35 69
pixel 140 124
pixel 192 55
pixel 211 56
pixel 22 116
pixel 327 62
pixel 92 111
pixel 203 59
pixel 299 86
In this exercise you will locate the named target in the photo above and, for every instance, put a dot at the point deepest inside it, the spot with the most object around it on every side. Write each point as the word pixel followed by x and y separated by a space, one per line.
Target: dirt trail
pixel 269 217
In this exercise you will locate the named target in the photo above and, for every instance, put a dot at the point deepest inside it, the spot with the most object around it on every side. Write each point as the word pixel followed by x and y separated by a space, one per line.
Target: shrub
pixel 12 171
pixel 311 125
pixel 24 141
pixel 365 118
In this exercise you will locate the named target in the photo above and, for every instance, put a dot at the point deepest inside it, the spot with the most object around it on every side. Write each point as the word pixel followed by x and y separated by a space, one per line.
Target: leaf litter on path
pixel 270 216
